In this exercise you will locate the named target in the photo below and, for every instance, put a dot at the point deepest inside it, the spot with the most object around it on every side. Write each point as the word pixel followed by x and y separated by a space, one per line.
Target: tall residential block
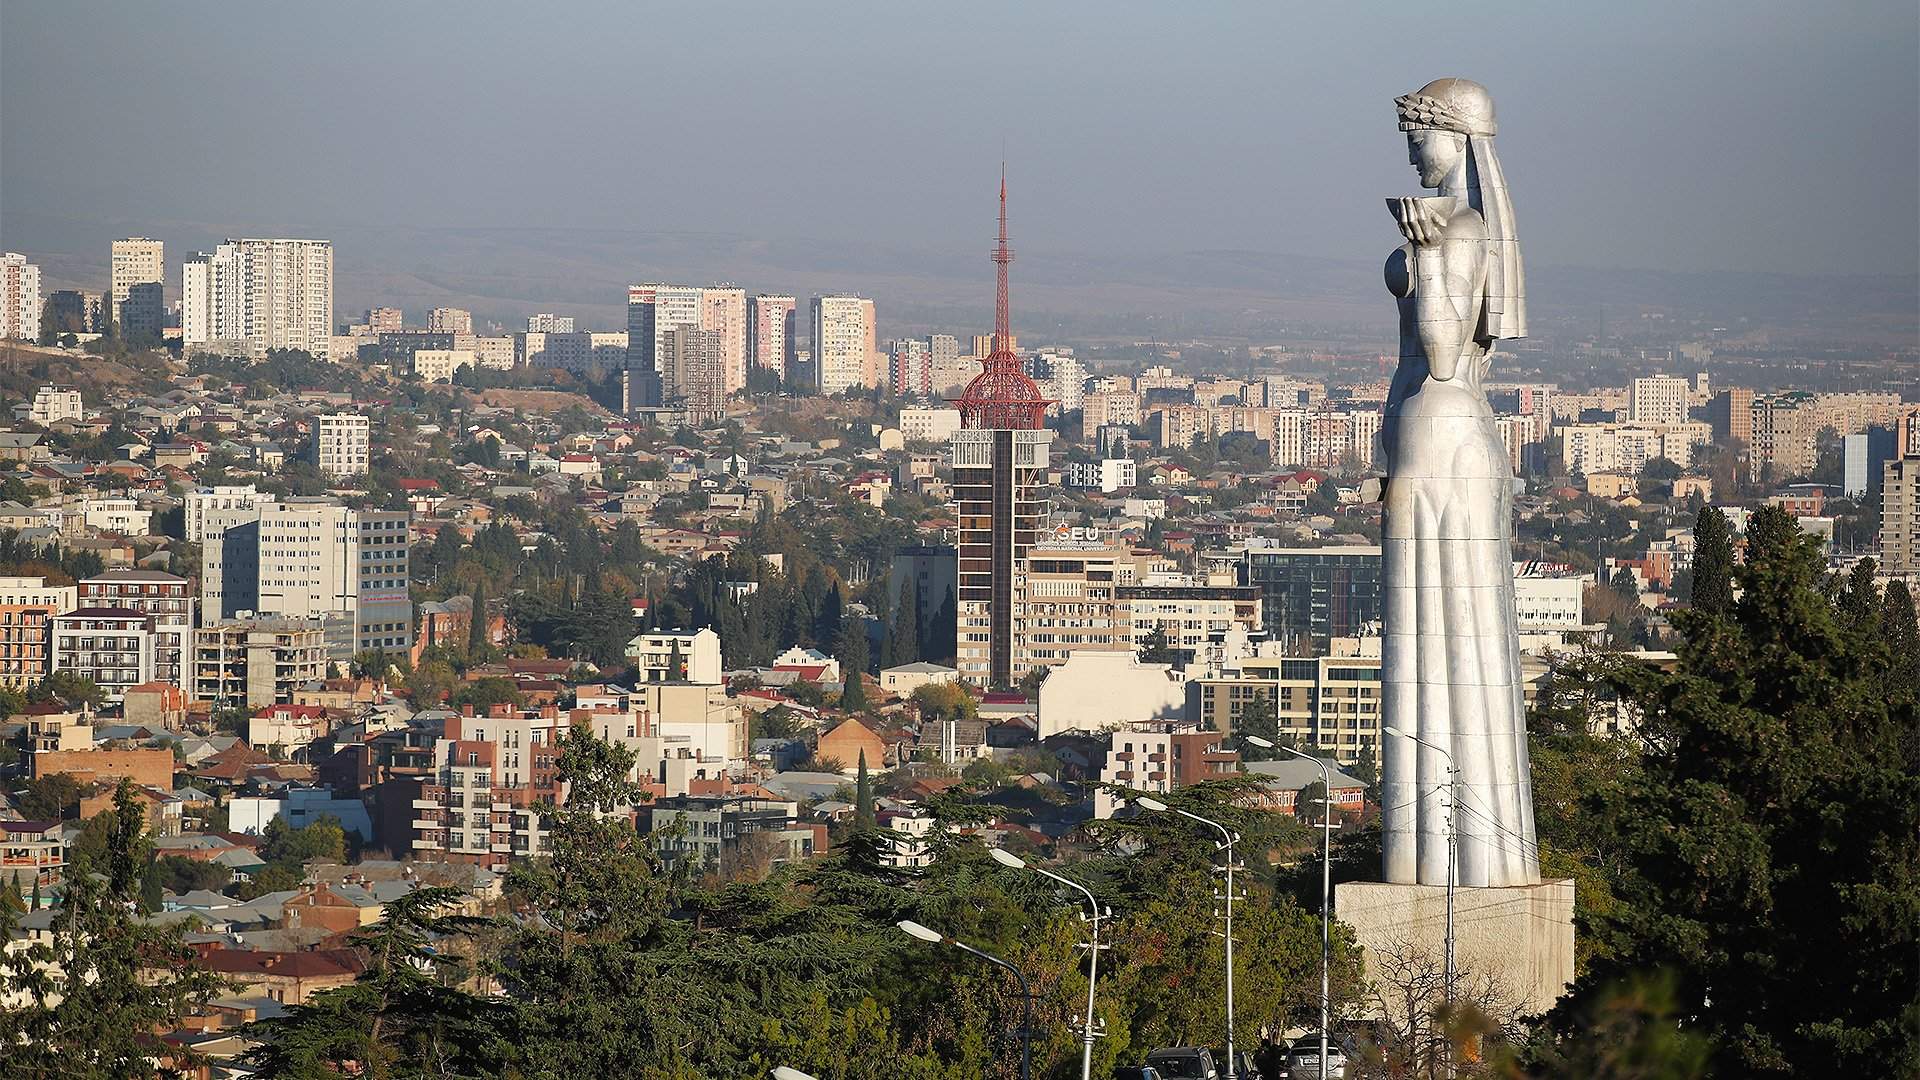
pixel 1658 399
pixel 138 261
pixel 312 559
pixel 723 311
pixel 1312 595
pixel 771 337
pixel 843 343
pixel 19 298
pixel 654 308
pixel 693 370
pixel 1900 516
pixel 342 444
pixel 260 294
pixel 998 476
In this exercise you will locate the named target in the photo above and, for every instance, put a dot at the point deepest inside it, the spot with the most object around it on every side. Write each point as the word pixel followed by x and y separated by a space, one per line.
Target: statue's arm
pixel 1446 274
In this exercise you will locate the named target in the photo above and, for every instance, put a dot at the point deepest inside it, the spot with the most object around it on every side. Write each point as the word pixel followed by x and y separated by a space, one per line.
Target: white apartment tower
pixel 771 333
pixel 342 444
pixel 843 340
pixel 1658 399
pixel 19 298
pixel 267 294
pixel 448 320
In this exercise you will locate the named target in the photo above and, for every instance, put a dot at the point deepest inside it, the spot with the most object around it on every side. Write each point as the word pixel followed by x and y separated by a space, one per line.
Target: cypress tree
pixel 477 622
pixel 903 637
pixel 863 819
pixel 1859 603
pixel 1712 563
pixel 1898 627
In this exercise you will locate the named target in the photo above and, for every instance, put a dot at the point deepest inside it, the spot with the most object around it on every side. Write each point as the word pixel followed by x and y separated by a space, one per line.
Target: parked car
pixel 1303 1057
pixel 1136 1072
pixel 1184 1063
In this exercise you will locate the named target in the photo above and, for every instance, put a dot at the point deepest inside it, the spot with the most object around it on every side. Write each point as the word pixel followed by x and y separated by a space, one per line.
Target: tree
pixel 1625 584
pixel 1259 717
pixel 903 639
pixel 1031 681
pixel 863 796
pixel 1763 848
pixel 853 667
pixel 944 701
pixel 406 1015
pixel 122 979
pixel 1712 562
pixel 477 640
pixel 1309 805
pixel 51 797
pixel 72 689
pixel 1859 603
pixel 1156 649
pixel 1902 636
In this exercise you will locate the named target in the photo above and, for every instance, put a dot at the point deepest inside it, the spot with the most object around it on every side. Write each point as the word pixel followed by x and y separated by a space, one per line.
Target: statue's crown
pixel 1448 104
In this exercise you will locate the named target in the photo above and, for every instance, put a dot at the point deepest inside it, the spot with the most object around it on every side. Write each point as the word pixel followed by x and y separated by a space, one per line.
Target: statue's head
pixel 1438 119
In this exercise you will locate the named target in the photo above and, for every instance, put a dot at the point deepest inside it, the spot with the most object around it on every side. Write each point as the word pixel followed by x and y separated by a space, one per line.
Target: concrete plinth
pixel 1520 936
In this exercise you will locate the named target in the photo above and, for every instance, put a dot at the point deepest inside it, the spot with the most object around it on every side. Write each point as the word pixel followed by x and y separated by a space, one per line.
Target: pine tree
pixel 1859 603
pixel 1712 563
pixel 1898 627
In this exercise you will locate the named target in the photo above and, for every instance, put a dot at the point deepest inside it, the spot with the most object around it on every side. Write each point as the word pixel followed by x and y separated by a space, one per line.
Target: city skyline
pixel 1137 130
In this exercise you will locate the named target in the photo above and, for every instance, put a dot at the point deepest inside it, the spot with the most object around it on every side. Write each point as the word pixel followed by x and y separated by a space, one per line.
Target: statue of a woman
pixel 1451 654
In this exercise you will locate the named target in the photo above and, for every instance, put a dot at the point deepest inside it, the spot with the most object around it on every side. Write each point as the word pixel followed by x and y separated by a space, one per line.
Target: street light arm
pixel 1226 834
pixel 1093 905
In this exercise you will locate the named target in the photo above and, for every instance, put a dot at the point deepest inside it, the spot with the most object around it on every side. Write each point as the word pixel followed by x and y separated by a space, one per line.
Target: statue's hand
pixel 1422 219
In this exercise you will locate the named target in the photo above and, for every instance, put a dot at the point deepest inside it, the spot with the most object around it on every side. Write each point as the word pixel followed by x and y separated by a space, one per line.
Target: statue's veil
pixel 1505 313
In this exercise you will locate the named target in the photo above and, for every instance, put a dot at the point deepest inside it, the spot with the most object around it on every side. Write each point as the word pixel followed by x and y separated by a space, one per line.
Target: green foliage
pixel 179 874
pixel 1259 716
pixel 68 688
pixel 123 979
pixel 944 701
pixel 53 797
pixel 1762 846
pixel 1156 649
pixel 1712 562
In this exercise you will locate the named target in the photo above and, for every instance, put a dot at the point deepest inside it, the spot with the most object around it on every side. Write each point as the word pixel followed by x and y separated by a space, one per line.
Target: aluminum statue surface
pixel 1451 655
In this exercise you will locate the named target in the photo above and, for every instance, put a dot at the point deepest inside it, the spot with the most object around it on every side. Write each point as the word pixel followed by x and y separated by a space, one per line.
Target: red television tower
pixel 1002 396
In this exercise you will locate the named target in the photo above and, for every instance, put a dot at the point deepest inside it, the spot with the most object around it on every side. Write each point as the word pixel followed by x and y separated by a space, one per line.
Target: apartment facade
pixel 342 444
pixel 137 297
pixel 313 559
pixel 843 343
pixel 19 298
pixel 771 337
pixel 1315 594
pixel 27 608
pixel 1658 399
pixel 111 646
pixel 1328 704
pixel 53 403
pixel 262 294
pixel 997 479
pixel 166 598
pixel 1158 757
pixel 1900 516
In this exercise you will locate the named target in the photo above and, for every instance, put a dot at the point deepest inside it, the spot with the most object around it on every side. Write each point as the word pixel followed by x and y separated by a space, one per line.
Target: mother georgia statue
pixel 1450 659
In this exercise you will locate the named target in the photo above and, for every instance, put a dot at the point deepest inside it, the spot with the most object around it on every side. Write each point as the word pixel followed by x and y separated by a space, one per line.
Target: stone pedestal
pixel 1520 936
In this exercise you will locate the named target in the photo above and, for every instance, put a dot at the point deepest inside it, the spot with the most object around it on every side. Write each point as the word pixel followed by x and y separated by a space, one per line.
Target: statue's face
pixel 1434 153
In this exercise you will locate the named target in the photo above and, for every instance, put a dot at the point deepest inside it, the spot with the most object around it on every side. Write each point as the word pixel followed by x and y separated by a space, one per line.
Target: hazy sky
pixel 1775 135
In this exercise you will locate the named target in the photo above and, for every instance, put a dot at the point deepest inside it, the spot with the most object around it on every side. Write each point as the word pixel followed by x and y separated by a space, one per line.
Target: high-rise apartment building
pixel 248 663
pixel 911 372
pixel 312 559
pixel 342 444
pixel 449 320
pixel 72 311
pixel 998 476
pixel 653 309
pixel 1900 516
pixel 264 293
pixel 27 608
pixel 202 507
pixel 138 261
pixel 386 320
pixel 723 311
pixel 1658 399
pixel 771 335
pixel 1063 378
pixel 19 298
pixel 164 599
pixel 693 370
pixel 548 323
pixel 843 343
pixel 1326 704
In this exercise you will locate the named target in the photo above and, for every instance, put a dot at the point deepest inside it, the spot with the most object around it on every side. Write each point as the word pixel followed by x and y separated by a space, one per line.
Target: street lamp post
pixel 927 934
pixel 1229 837
pixel 1014 862
pixel 1326 886
pixel 1453 854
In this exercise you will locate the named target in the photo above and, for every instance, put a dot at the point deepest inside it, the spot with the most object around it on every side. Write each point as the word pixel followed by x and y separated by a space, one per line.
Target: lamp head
pixel 1264 744
pixel 1145 802
pixel 923 933
pixel 1394 731
pixel 781 1072
pixel 1007 859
